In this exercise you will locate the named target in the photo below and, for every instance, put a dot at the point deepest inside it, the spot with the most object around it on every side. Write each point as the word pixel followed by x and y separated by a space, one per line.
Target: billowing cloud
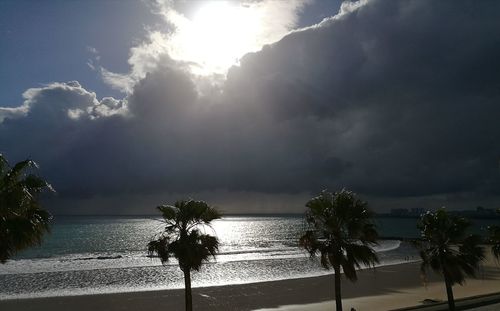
pixel 209 41
pixel 397 100
pixel 392 90
pixel 13 113
pixel 55 101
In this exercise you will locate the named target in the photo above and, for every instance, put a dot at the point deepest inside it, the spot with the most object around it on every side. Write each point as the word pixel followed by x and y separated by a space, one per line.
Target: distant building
pixel 416 212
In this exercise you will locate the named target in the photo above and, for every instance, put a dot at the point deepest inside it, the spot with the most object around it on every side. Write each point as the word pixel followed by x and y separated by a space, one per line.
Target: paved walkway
pixel 490 302
pixel 493 307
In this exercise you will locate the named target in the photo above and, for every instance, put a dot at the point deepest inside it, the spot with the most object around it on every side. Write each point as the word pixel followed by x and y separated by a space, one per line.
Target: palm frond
pixel 341 230
pixel 167 212
pixel 160 248
pixel 445 247
pixel 23 222
pixel 181 237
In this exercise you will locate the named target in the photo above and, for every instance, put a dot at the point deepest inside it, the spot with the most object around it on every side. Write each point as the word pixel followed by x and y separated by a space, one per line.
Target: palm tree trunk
pixel 449 293
pixel 338 290
pixel 187 290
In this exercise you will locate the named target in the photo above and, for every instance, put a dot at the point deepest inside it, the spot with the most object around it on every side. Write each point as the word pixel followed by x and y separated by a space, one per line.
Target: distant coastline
pixel 473 214
pixel 388 215
pixel 478 213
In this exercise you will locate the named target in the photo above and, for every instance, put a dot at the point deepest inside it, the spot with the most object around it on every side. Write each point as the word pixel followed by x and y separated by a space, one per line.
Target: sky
pixel 253 106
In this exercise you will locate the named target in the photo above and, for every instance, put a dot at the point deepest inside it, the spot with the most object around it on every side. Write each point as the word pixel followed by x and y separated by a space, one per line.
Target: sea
pixel 108 254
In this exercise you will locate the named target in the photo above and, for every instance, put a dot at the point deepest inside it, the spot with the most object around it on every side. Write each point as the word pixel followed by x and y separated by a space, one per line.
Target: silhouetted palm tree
pixel 494 239
pixel 341 231
pixel 22 220
pixel 183 240
pixel 446 248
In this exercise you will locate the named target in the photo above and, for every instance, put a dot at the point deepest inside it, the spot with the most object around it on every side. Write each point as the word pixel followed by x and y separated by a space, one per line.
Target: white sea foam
pixel 100 256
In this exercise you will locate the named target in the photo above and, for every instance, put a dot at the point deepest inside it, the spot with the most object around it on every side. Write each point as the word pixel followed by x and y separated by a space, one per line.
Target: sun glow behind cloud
pixel 216 37
pixel 208 42
pixel 220 32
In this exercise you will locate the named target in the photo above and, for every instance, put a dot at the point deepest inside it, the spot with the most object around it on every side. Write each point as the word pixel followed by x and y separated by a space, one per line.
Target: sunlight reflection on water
pixel 253 249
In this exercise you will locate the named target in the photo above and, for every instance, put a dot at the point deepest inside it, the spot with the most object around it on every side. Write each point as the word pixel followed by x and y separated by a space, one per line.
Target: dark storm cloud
pixel 394 99
pixel 407 93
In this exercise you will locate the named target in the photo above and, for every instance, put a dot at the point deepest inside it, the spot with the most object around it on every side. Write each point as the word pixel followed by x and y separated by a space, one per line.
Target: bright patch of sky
pixel 94 42
pixel 219 33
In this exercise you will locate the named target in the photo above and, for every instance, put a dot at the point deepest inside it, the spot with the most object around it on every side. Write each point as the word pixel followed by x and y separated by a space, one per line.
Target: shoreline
pixel 382 288
pixel 327 273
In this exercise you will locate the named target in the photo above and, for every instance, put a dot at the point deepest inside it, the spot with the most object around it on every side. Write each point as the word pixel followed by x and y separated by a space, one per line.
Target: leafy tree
pixel 341 230
pixel 183 239
pixel 446 248
pixel 23 222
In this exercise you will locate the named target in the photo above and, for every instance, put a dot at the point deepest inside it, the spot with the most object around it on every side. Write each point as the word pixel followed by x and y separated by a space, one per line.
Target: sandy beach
pixel 383 288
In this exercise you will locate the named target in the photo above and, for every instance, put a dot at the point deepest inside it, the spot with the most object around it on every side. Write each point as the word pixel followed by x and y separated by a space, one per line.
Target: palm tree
pixel 494 238
pixel 446 248
pixel 23 222
pixel 183 240
pixel 342 232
